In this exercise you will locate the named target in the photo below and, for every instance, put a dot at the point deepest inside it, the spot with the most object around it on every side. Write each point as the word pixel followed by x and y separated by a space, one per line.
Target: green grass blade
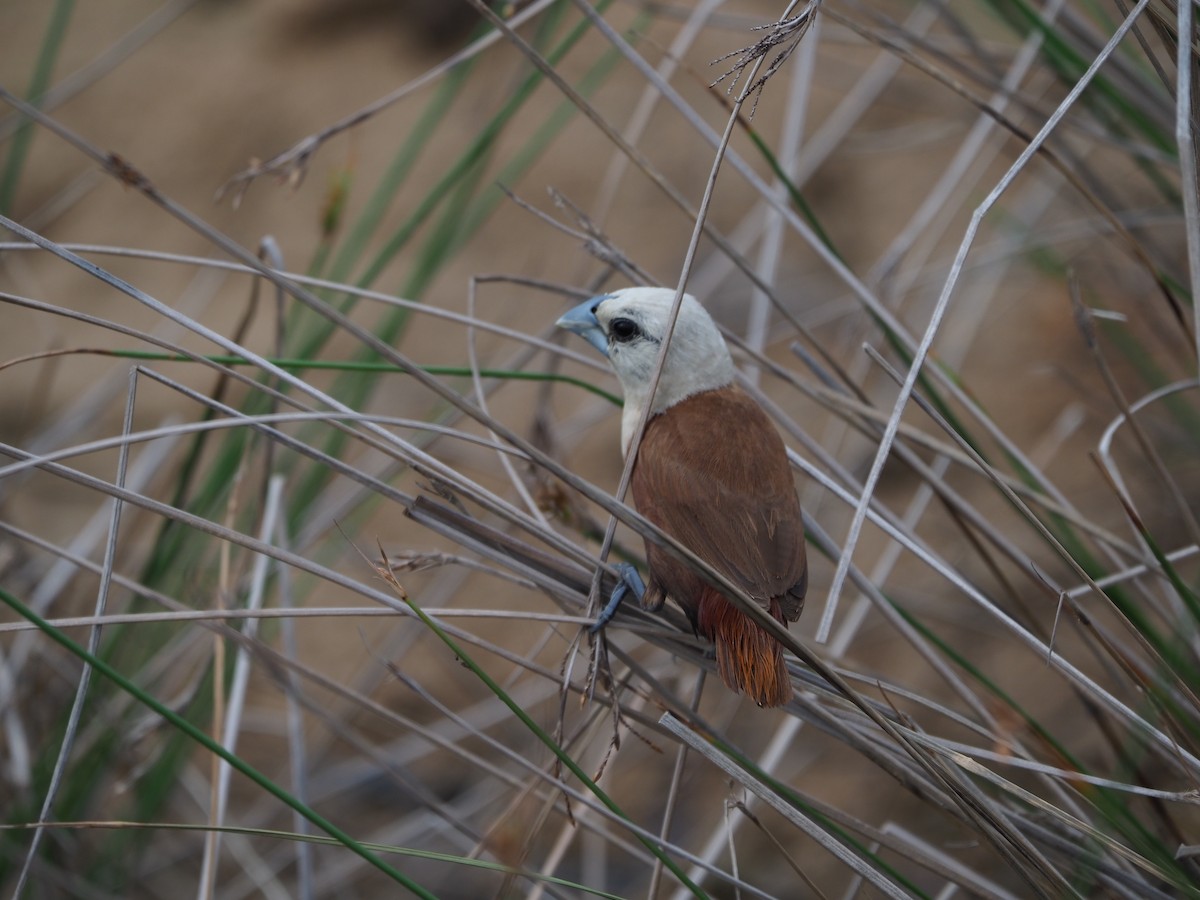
pixel 18 151
pixel 199 737
pixel 534 728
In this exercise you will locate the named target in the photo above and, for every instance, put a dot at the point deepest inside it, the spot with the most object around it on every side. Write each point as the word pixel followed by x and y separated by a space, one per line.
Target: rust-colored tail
pixel 749 660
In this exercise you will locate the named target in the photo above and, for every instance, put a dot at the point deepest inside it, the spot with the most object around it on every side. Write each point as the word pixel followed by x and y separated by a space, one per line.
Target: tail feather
pixel 749 660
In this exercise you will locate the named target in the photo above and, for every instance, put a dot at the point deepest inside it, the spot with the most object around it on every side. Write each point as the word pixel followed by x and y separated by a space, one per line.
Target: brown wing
pixel 713 473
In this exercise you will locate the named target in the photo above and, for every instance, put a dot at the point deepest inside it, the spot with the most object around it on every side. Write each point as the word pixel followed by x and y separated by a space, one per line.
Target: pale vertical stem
pixel 481 399
pixel 568 835
pixel 142 468
pixel 1186 144
pixel 85 676
pixel 782 747
pixel 297 749
pixel 681 755
pixel 241 679
pixel 649 99
pixel 969 152
pixel 939 312
pixel 795 115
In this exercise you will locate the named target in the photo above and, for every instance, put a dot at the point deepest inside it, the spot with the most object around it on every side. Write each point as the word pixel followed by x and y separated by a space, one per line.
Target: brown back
pixel 713 473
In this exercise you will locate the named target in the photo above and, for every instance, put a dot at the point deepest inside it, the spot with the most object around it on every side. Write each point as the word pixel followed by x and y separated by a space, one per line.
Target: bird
pixel 712 472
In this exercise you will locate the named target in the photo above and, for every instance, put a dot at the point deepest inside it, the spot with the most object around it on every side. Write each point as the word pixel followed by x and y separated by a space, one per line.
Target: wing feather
pixel 712 472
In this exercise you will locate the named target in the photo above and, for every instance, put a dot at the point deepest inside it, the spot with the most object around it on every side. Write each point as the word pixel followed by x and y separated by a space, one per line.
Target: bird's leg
pixel 631 580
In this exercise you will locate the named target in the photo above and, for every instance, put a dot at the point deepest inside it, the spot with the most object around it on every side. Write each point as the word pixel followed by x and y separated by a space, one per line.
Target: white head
pixel 628 326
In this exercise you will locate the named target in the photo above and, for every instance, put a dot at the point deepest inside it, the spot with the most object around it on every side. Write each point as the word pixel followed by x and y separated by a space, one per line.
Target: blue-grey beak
pixel 582 320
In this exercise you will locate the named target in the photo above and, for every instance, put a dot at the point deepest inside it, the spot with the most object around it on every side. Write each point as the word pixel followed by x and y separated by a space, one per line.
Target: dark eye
pixel 624 330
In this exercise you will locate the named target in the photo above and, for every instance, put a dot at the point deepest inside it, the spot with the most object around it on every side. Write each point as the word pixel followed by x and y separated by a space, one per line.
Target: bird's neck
pixel 629 422
pixel 635 402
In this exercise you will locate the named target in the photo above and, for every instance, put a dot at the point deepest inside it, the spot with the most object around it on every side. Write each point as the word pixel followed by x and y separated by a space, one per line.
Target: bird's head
pixel 629 326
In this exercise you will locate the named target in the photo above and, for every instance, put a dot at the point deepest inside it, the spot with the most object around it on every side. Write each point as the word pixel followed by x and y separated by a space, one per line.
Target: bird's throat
pixel 630 417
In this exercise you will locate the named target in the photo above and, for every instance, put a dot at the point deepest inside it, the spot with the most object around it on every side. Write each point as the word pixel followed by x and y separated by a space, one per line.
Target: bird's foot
pixel 631 580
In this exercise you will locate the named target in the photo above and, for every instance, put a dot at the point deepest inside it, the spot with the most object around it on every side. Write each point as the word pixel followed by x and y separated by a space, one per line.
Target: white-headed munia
pixel 712 472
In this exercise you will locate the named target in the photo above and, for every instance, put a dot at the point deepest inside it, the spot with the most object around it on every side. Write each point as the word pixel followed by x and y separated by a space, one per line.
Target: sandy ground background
pixel 229 83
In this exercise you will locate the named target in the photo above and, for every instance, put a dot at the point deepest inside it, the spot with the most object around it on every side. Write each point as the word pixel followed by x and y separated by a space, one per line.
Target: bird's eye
pixel 624 330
